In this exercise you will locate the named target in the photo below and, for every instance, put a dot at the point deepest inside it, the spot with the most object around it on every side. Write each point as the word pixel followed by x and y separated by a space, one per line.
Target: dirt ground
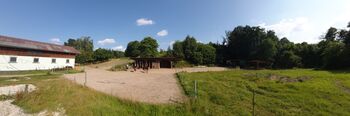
pixel 157 86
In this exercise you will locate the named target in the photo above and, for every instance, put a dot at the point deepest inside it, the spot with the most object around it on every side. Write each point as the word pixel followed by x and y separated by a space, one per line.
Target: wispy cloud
pixel 144 21
pixel 106 41
pixel 55 41
pixel 303 29
pixel 119 48
pixel 162 33
pixel 298 29
pixel 171 44
pixel 288 26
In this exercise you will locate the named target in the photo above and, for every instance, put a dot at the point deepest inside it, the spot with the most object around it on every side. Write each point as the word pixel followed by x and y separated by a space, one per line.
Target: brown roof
pixel 35 45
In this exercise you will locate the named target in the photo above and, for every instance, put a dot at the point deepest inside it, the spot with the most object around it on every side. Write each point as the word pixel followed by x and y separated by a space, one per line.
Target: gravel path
pixel 156 86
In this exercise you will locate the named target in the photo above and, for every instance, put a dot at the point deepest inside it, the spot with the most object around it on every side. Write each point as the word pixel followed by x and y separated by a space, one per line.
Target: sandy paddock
pixel 156 86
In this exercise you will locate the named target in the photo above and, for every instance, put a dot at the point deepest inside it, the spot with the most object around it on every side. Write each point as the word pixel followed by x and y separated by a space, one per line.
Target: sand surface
pixel 156 86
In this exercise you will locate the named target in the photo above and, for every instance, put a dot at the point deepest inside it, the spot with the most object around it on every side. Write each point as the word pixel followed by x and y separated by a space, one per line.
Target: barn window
pixel 53 61
pixel 36 60
pixel 67 61
pixel 13 59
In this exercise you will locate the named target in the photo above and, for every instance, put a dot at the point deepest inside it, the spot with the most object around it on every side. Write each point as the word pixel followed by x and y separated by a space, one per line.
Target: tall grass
pixel 230 92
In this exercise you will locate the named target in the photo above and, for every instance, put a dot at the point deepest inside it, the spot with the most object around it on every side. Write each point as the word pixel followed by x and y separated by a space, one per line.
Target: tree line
pixel 188 49
pixel 239 46
pixel 246 43
pixel 88 54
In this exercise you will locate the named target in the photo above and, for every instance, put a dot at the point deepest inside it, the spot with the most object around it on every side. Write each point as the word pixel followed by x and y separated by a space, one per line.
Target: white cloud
pixel 144 21
pixel 106 41
pixel 119 48
pixel 341 20
pixel 286 27
pixel 171 44
pixel 298 29
pixel 55 40
pixel 162 33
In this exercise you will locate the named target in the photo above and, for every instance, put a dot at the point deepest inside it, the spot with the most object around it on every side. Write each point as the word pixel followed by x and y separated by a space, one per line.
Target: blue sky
pixel 112 23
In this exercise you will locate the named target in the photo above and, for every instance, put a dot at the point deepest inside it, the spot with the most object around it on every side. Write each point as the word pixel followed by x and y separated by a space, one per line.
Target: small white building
pixel 20 55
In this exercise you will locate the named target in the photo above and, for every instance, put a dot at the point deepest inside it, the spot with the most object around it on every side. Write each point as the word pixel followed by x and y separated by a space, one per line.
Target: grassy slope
pixel 78 100
pixel 110 63
pixel 55 91
pixel 220 93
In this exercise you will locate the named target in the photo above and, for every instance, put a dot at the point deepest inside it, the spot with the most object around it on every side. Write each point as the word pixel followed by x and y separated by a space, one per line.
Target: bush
pixel 182 64
pixel 119 68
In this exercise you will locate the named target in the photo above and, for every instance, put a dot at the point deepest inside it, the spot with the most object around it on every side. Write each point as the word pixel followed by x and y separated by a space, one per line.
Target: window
pixel 67 61
pixel 36 60
pixel 53 61
pixel 13 59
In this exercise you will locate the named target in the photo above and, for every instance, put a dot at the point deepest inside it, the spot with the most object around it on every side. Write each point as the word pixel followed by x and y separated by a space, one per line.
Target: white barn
pixel 20 55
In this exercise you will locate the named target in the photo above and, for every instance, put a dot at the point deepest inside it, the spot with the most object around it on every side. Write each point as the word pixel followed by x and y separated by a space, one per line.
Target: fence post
pixel 195 89
pixel 85 78
pixel 253 102
pixel 26 88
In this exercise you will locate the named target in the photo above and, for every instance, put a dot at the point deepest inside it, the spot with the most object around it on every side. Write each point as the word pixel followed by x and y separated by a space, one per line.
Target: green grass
pixel 79 100
pixel 230 92
pixel 219 94
pixel 23 72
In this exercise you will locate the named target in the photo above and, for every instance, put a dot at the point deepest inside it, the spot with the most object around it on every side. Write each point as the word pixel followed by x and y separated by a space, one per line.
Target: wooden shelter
pixel 259 64
pixel 250 64
pixel 154 63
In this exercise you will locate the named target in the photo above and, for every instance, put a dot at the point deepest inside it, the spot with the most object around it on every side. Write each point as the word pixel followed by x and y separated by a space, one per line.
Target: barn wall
pixel 26 63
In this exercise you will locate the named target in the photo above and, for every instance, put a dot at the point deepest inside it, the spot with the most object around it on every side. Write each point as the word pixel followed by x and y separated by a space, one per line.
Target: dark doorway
pixel 165 64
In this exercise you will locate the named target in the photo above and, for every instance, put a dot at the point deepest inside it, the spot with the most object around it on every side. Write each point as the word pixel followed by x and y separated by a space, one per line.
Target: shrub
pixel 182 64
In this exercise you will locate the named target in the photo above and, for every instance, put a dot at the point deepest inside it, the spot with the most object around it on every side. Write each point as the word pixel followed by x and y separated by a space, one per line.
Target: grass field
pixel 230 92
pixel 278 92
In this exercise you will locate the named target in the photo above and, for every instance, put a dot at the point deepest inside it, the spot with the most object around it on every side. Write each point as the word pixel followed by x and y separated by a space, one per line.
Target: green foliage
pixel 309 54
pixel 189 48
pixel 193 52
pixel 178 49
pixel 132 50
pixel 220 53
pixel 331 34
pixel 287 59
pixel 332 55
pixel 101 54
pixel 208 54
pixel 148 47
pixel 85 46
pixel 267 50
pixel 118 54
pixel 251 43
pixel 246 43
pixel 197 58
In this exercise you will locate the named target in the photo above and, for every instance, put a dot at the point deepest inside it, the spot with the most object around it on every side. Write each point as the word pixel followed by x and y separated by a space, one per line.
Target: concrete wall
pixel 26 63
